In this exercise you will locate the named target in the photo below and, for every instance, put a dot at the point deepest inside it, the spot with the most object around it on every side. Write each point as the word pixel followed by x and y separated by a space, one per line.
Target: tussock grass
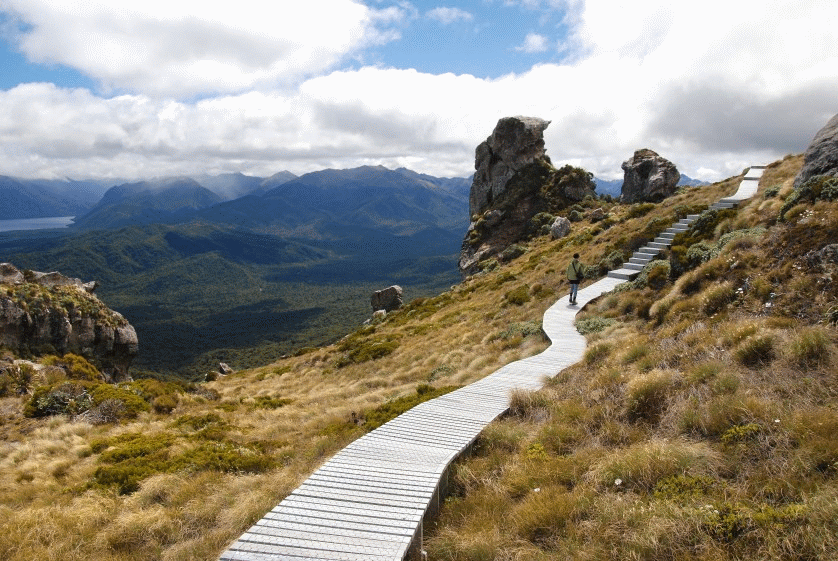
pixel 719 458
pixel 710 398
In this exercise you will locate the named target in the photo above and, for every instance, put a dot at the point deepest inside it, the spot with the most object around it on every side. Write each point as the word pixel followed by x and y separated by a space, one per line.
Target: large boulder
pixel 648 177
pixel 515 143
pixel 388 299
pixel 58 314
pixel 821 157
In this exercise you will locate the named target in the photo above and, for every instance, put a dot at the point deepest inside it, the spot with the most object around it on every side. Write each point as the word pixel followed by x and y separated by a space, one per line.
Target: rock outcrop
pixel 648 177
pixel 388 299
pixel 821 157
pixel 516 193
pixel 516 142
pixel 51 313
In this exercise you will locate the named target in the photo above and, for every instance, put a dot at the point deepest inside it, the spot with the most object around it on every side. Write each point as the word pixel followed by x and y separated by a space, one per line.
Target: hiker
pixel 575 272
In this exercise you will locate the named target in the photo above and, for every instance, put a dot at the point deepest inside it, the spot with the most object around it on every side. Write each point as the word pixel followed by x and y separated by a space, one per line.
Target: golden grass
pixel 726 448
pixel 653 399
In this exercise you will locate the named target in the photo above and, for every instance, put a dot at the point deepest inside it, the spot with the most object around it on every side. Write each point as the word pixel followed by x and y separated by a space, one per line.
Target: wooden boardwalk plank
pixel 367 502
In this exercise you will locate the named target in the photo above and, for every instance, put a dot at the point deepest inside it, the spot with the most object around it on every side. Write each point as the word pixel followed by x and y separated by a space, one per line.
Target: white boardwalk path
pixel 368 502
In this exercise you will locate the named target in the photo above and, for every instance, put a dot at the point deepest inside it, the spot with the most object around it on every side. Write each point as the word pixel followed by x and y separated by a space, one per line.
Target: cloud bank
pixel 188 88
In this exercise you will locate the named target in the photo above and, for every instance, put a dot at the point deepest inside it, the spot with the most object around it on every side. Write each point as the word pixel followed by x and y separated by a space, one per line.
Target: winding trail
pixel 370 500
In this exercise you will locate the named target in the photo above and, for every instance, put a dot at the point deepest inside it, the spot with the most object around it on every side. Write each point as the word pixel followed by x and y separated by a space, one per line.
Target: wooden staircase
pixel 644 255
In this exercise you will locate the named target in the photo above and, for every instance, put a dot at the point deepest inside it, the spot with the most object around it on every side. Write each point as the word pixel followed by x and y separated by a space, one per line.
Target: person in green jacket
pixel 575 272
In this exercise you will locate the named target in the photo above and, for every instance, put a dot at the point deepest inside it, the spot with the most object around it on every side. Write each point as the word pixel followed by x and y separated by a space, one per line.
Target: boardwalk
pixel 370 500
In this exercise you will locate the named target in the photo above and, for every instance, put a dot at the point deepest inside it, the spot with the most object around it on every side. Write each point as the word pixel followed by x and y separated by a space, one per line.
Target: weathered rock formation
pixel 516 192
pixel 516 142
pixel 648 177
pixel 821 157
pixel 51 313
pixel 388 299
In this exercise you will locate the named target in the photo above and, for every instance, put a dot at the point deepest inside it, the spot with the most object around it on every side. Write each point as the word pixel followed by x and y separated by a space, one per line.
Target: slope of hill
pixel 148 202
pixel 312 205
pixel 41 199
pixel 700 425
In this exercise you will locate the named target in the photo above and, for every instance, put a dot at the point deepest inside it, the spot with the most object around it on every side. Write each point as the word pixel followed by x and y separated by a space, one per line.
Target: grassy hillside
pixel 702 423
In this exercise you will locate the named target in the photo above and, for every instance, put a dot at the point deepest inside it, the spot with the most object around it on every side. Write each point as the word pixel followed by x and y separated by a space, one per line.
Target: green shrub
pixel 539 225
pixel 771 192
pixel 613 260
pixel 593 324
pixel 358 349
pixel 518 296
pixel 16 380
pixel 740 433
pixel 134 404
pixel 640 209
pixel 817 188
pixel 522 329
pixel 77 367
pixel 271 402
pixel 512 252
pixel 378 416
pixel 133 457
pixel 63 398
pixel 165 403
pixel 704 227
pixel 684 488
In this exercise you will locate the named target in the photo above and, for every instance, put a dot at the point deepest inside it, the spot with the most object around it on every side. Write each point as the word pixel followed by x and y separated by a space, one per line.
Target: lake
pixel 35 223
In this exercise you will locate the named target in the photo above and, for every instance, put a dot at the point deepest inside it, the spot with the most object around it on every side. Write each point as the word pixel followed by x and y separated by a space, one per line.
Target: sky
pixel 151 88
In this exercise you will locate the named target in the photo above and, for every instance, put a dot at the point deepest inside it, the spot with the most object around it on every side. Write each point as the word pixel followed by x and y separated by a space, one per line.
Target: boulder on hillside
pixel 559 228
pixel 821 157
pixel 388 299
pixel 62 316
pixel 515 143
pixel 648 177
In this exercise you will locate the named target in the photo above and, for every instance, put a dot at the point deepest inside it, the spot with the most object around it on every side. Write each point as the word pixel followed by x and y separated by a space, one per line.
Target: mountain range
pixel 290 261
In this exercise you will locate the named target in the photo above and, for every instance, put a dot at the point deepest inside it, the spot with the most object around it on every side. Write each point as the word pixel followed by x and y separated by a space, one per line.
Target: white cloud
pixel 447 15
pixel 183 48
pixel 533 43
pixel 713 94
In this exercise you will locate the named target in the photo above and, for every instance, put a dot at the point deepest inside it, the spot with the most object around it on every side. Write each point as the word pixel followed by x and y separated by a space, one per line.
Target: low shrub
pixel 271 402
pixel 63 398
pixel 165 403
pixel 810 349
pixel 134 404
pixel 16 380
pixel 359 349
pixel 77 367
pixel 378 416
pixel 528 404
pixel 640 209
pixel 716 298
pixel 817 188
pixel 597 353
pixel 518 296
pixel 642 466
pixel 756 351
pixel 647 395
pixel 593 324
